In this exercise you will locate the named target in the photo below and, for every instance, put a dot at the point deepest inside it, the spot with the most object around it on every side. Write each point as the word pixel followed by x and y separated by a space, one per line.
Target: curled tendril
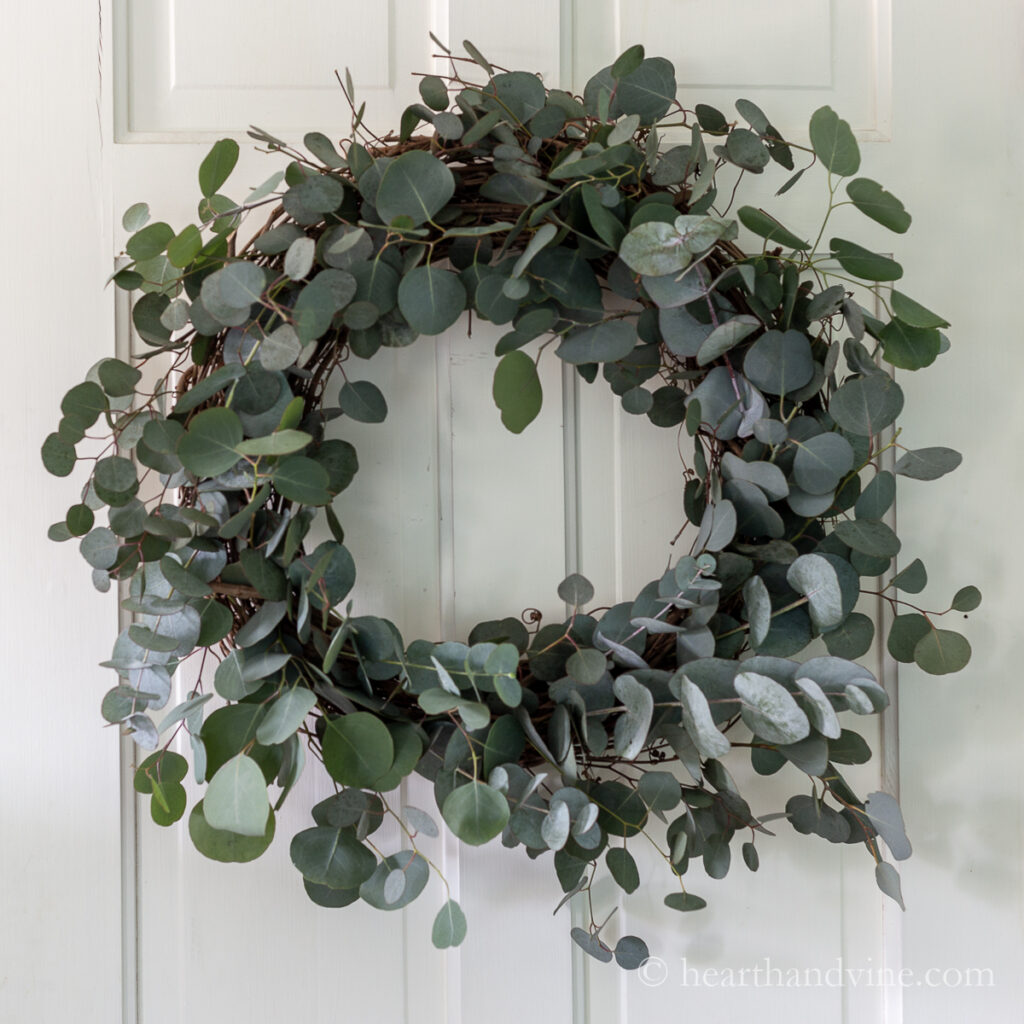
pixel 531 617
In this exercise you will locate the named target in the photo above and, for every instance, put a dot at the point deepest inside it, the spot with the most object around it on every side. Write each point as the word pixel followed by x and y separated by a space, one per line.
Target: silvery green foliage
pixel 527 206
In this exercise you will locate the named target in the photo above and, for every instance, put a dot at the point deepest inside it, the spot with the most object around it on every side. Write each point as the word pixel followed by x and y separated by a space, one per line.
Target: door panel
pixel 452 520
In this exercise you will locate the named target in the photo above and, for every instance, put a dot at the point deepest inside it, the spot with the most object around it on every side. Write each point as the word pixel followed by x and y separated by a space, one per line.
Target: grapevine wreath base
pixel 598 230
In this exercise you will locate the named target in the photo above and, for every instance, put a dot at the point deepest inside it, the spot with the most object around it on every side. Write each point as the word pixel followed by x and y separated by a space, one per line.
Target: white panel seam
pixel 446 599
pixel 129 803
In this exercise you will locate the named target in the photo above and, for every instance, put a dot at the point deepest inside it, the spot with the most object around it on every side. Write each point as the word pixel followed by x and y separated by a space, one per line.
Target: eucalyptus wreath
pixel 598 229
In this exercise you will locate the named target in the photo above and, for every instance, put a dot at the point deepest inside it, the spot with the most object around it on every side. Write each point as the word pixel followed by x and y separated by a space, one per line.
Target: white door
pixel 433 524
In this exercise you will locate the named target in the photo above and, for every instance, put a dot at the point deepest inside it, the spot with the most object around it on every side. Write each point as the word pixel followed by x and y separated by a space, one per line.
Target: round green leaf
pixel 434 93
pixel 834 143
pixel 631 728
pixel 913 313
pixel 239 285
pixel 863 263
pixel 322 148
pixel 396 882
pixel 913 579
pixel 80 519
pixel 325 896
pixel 876 499
pixel 363 401
pixel 58 455
pixel 236 798
pixel 745 149
pixel 576 590
pixel 768 228
pixel 449 926
pixel 115 474
pixel 868 536
pixel 281 442
pixel 884 813
pixel 517 391
pixel 279 349
pixel 298 261
pixel 357 749
pixel 623 868
pixel 475 813
pixel 431 300
pixel 148 318
pixel 779 362
pixel 769 710
pixel 163 766
pixel 302 480
pixel 631 952
pixel 330 291
pixel 185 247
pixel 758 605
pixel 118 378
pixel 587 666
pixel 332 857
pixel 873 201
pixel 638 401
pixel 285 715
pixel 360 315
pixel 852 639
pixel 605 342
pixel 217 165
pixel 659 790
pixel 168 804
pixel 941 651
pixel 84 403
pixel 750 856
pixel 215 622
pixel 966 599
pixel 227 847
pixel 910 348
pixel 135 217
pixel 150 241
pixel 330 568
pixel 821 462
pixel 654 249
pixel 99 548
pixel 888 880
pixel 376 283
pixel 905 634
pixel 725 336
pixel 209 446
pixel 648 92
pixel 318 194
pixel 621 812
pixel 928 463
pixel 684 901
pixel 866 405
pixel 415 185
pixel 129 520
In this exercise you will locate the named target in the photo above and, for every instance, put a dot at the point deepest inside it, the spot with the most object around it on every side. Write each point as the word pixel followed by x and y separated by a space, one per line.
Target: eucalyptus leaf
pixel 928 463
pixel 873 201
pixel 631 728
pixel 449 926
pixel 475 813
pixel 769 709
pixel 217 166
pixel 517 391
pixel 236 798
pixel 431 299
pixel 834 143
pixel 414 185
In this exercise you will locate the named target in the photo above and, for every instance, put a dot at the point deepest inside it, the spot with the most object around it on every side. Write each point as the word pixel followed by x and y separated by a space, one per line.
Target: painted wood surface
pixel 932 96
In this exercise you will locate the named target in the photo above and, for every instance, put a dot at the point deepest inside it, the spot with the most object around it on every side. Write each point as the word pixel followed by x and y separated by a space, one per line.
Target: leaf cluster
pixel 565 219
